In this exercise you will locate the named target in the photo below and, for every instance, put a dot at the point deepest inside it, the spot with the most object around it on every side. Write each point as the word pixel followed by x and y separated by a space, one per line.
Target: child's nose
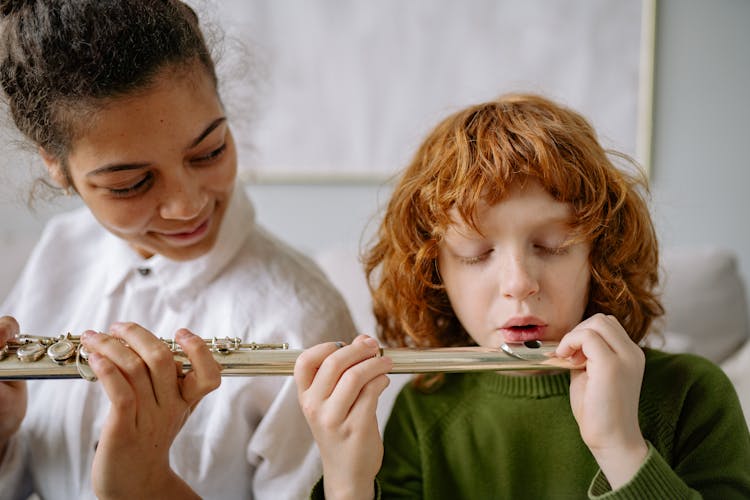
pixel 517 278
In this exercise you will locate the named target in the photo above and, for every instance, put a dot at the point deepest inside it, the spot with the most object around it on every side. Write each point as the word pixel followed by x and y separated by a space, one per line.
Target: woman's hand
pixel 338 389
pixel 149 405
pixel 13 395
pixel 604 395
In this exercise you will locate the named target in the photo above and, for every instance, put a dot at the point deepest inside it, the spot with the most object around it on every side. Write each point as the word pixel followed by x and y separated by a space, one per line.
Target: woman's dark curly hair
pixel 63 59
pixel 477 154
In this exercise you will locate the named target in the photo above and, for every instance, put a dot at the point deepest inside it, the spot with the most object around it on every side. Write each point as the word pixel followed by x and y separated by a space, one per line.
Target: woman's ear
pixel 55 169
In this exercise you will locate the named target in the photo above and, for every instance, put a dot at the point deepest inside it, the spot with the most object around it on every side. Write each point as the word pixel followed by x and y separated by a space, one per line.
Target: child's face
pixel 516 281
pixel 158 168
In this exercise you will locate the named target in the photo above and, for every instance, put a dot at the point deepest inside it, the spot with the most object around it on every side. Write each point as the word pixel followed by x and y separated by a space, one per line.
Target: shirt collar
pixel 182 279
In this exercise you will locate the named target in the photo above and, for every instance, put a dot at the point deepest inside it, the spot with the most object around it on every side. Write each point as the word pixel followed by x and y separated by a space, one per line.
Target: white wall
pixel 700 169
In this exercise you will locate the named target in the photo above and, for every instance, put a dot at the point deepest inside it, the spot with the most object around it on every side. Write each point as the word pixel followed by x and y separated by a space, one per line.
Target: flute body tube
pixel 62 357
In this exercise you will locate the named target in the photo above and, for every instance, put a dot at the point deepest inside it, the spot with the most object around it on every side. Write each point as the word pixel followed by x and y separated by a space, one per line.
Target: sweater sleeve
pixel 655 479
pixel 709 451
pixel 318 492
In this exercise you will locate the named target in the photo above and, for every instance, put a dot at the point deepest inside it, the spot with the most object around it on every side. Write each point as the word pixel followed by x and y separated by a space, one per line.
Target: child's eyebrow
pixel 563 220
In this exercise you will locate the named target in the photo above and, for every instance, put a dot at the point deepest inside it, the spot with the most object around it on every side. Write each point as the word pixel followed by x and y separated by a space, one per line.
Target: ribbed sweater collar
pixel 525 386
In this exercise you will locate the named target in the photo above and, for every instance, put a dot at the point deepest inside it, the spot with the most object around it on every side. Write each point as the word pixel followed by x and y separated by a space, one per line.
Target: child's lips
pixel 523 333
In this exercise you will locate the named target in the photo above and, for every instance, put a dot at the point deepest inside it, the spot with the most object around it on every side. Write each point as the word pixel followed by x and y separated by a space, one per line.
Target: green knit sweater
pixel 488 435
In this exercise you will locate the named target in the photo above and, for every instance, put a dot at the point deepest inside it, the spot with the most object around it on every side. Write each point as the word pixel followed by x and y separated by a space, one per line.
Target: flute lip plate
pixel 531 350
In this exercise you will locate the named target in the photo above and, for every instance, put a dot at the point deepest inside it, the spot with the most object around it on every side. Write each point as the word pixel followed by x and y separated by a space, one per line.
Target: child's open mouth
pixel 523 333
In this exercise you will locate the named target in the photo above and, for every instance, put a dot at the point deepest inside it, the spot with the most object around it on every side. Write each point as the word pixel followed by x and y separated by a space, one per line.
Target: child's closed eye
pixel 552 249
pixel 476 259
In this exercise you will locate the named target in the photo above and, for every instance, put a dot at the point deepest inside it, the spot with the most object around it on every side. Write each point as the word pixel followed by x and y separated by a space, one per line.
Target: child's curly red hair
pixel 476 154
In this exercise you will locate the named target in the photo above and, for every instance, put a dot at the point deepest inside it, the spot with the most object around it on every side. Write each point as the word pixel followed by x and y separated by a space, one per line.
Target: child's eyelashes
pixel 552 249
pixel 541 250
pixel 473 260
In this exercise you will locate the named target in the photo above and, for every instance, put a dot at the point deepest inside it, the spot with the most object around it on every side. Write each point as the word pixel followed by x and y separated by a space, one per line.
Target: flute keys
pixel 531 350
pixel 30 352
pixel 223 346
pixel 61 351
pixel 84 370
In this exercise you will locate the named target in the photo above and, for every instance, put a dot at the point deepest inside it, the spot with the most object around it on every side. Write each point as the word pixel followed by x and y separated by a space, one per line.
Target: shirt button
pixel 144 271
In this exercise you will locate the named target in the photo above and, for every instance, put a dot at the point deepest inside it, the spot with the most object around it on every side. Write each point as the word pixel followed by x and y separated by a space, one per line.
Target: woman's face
pixel 520 279
pixel 157 168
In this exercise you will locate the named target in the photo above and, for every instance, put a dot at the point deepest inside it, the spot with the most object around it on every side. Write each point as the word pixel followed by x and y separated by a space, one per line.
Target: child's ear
pixel 55 169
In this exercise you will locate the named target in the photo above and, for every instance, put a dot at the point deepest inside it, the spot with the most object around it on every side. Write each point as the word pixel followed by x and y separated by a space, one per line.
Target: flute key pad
pixel 30 352
pixel 61 351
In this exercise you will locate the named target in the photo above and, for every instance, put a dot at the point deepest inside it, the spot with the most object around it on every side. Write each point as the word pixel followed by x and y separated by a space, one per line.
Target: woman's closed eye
pixel 211 156
pixel 137 187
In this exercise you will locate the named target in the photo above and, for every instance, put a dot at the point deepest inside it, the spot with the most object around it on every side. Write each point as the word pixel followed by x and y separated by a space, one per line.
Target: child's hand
pixel 604 395
pixel 149 405
pixel 338 389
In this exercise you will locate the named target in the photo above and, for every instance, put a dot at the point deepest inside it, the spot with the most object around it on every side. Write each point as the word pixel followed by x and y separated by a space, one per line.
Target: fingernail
pixel 116 326
pixel 87 335
pixel 371 342
pixel 185 333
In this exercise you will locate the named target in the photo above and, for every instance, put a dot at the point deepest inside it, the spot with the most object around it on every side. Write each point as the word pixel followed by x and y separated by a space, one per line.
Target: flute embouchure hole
pixel 532 344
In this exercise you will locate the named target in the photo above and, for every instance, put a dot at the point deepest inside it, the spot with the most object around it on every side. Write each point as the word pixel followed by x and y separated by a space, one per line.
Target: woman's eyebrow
pixel 214 124
pixel 118 167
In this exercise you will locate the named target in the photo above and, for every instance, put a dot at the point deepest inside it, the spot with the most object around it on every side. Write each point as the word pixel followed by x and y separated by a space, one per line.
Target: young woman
pixel 120 99
pixel 512 224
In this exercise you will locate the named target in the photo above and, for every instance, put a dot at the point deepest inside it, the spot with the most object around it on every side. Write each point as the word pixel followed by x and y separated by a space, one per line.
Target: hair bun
pixel 8 7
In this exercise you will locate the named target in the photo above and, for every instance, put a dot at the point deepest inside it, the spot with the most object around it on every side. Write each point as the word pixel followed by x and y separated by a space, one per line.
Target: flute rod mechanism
pixel 25 359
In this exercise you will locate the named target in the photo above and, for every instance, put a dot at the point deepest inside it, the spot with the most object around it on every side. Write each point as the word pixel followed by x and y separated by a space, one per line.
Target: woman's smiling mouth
pixel 189 237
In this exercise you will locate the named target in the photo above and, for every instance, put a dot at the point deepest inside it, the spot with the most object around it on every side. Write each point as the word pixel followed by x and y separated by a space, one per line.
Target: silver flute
pixel 34 357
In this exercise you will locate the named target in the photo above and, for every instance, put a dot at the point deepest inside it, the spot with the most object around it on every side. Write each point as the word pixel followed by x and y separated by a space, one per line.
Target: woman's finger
pixel 205 375
pixel 8 329
pixel 127 361
pixel 120 392
pixel 157 357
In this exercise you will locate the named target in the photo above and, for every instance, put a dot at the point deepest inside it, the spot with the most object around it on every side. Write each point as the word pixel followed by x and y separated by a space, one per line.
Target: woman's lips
pixel 189 237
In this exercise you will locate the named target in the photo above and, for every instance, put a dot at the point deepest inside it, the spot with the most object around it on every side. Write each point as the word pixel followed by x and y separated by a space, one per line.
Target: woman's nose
pixel 518 278
pixel 183 199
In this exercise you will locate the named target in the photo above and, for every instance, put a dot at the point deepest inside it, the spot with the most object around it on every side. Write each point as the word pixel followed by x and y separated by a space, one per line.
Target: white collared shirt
pixel 247 439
